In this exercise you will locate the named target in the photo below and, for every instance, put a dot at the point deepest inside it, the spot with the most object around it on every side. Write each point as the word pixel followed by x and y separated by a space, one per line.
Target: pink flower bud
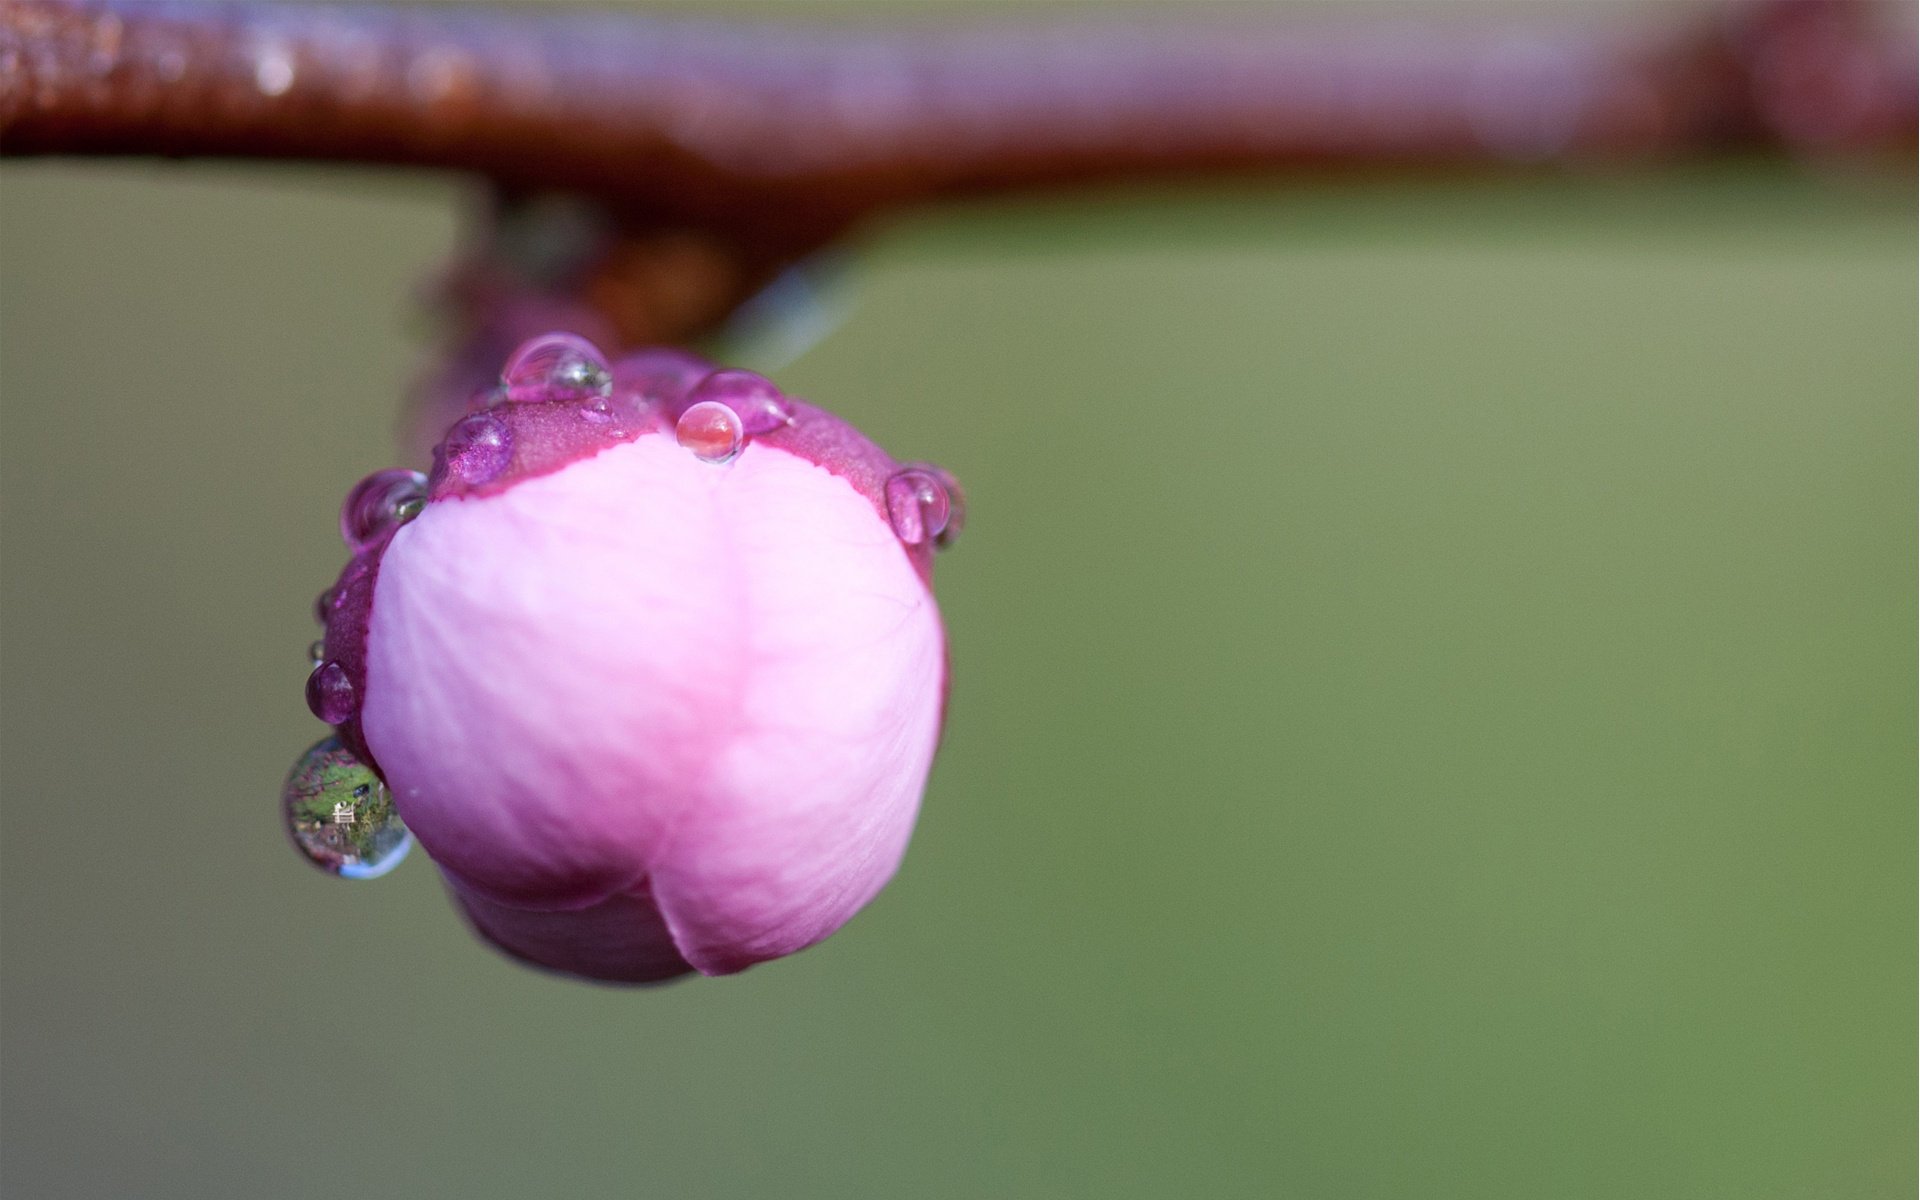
pixel 650 706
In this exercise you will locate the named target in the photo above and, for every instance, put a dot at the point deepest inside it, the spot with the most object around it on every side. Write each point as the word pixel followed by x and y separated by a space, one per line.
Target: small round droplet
pixel 324 604
pixel 330 693
pixel 477 448
pixel 918 505
pixel 759 404
pixel 341 815
pixel 712 431
pixel 317 652
pixel 380 504
pixel 556 366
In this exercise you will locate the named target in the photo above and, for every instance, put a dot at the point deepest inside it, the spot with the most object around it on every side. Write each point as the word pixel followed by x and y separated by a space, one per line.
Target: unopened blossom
pixel 650 665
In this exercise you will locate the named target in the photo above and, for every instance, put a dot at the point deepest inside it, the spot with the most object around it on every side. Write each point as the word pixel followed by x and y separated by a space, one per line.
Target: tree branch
pixel 708 122
pixel 710 154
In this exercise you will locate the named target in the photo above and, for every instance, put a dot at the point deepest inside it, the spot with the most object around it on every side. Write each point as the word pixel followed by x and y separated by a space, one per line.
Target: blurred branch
pixel 715 152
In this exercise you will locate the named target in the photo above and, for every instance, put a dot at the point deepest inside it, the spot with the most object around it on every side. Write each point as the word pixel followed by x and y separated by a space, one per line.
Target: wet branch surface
pixel 707 154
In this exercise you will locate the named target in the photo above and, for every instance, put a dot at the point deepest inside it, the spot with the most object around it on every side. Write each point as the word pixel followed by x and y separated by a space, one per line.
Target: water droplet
pixel 380 504
pixel 918 505
pixel 759 404
pixel 556 366
pixel 324 603
pixel 317 652
pixel 330 693
pixel 712 431
pixel 477 448
pixel 341 815
pixel 956 508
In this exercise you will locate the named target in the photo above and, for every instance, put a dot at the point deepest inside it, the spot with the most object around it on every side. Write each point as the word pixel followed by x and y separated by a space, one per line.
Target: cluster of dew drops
pixel 338 811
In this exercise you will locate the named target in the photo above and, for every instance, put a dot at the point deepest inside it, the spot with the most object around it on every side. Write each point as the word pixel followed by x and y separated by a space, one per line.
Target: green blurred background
pixel 1433 713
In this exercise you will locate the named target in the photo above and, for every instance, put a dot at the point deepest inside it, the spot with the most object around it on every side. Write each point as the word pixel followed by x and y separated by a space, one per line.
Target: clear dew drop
pixel 340 814
pixel 380 504
pixel 556 366
pixel 712 431
pixel 330 693
pixel 918 505
pixel 477 449
pixel 759 404
pixel 317 651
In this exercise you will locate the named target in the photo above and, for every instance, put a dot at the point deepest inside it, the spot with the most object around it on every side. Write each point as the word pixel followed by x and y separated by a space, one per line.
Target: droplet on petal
pixel 759 404
pixel 324 604
pixel 380 504
pixel 712 431
pixel 918 505
pixel 477 449
pixel 956 508
pixel 317 652
pixel 556 366
pixel 341 815
pixel 330 693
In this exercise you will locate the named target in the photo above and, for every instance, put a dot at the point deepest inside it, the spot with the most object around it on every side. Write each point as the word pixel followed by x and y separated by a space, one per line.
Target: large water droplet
pixel 712 431
pixel 330 693
pixel 556 366
pixel 477 448
pixel 341 815
pixel 759 404
pixel 380 504
pixel 918 505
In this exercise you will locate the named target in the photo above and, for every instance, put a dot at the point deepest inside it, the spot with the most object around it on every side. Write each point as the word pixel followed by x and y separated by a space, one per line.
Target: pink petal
pixel 719 684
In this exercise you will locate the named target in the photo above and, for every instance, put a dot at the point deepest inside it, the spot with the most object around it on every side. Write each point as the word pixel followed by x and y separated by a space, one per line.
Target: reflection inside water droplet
pixel 477 449
pixel 712 431
pixel 330 693
pixel 380 504
pixel 556 366
pixel 918 505
pixel 341 815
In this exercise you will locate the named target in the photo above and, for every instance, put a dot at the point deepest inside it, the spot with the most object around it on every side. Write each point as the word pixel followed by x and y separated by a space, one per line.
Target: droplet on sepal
pixel 380 504
pixel 556 366
pixel 330 694
pixel 712 431
pixel 340 814
pixel 477 449
pixel 918 505
pixel 759 405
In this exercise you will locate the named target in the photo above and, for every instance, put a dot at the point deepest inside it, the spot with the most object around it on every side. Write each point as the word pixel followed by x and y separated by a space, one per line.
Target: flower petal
pixel 641 671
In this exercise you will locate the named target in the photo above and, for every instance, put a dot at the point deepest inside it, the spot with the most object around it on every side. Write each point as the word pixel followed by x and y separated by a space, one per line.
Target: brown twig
pixel 707 122
pixel 716 152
